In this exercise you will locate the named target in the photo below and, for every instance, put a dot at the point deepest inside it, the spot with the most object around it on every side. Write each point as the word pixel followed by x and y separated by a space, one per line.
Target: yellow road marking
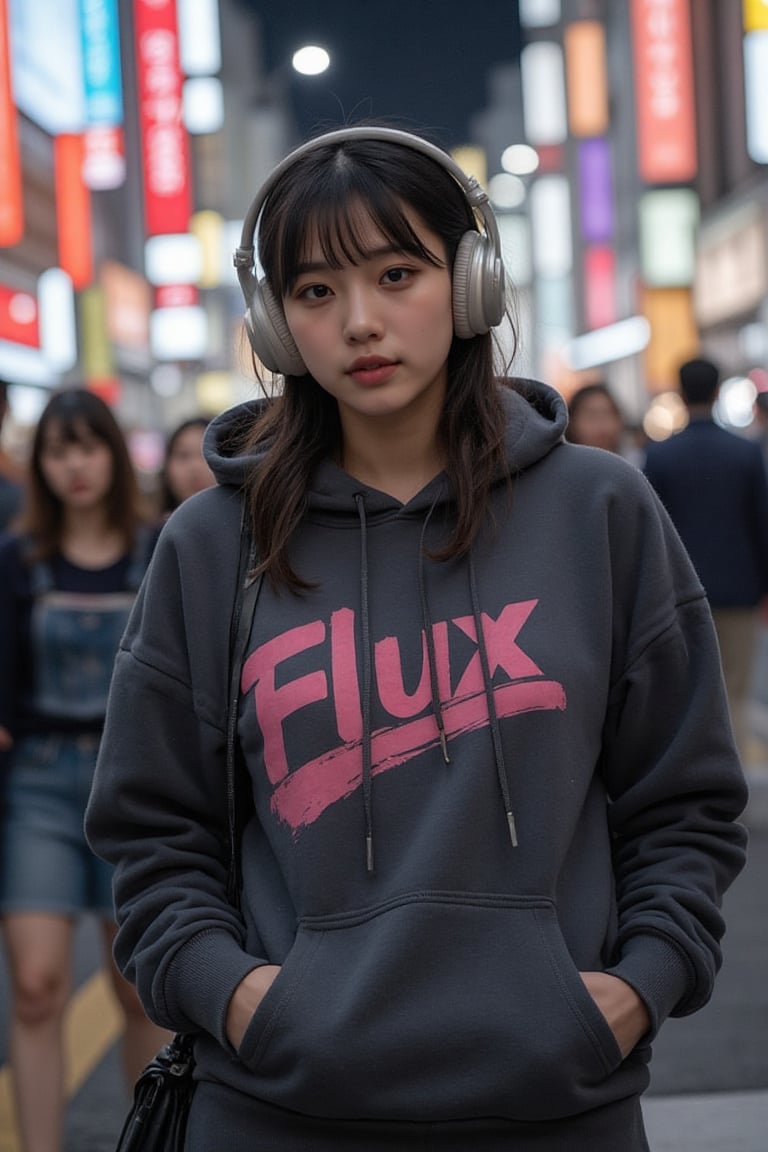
pixel 9 1141
pixel 92 1025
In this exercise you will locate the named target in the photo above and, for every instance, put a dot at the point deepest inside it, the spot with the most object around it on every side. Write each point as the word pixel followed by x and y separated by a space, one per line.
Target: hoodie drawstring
pixel 367 676
pixel 426 620
pixel 367 660
pixel 498 750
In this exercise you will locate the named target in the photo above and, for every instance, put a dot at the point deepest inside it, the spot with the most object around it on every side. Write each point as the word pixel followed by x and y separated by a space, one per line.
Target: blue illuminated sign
pixel 101 61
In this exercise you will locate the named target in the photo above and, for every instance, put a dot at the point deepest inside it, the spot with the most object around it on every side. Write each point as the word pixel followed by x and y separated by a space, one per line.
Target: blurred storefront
pixel 731 279
pixel 119 194
pixel 731 285
pixel 626 155
pixel 649 121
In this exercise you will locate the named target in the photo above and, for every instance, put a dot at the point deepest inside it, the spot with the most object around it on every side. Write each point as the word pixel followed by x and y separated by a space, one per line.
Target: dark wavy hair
pixel 321 194
pixel 78 413
pixel 169 501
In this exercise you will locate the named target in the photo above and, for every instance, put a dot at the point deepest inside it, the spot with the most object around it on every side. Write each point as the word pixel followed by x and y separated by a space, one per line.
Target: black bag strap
pixel 248 587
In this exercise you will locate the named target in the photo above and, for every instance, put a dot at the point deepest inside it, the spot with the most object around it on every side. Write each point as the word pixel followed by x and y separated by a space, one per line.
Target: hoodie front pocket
pixel 433 1006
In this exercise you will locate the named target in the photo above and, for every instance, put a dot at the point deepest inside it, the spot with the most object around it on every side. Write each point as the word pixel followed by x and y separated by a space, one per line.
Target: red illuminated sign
pixel 666 128
pixel 599 287
pixel 164 139
pixel 176 296
pixel 11 206
pixel 19 320
pixel 73 209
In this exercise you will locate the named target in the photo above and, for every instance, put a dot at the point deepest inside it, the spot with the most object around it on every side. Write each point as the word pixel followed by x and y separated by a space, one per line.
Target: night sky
pixel 419 63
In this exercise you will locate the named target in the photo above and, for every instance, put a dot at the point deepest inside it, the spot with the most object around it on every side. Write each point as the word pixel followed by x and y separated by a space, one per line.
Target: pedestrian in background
pixel 713 484
pixel 11 488
pixel 68 578
pixel 761 424
pixel 185 470
pixel 481 715
pixel 595 419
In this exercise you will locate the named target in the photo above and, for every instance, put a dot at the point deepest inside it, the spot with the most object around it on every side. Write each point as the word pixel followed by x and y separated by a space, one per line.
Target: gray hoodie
pixel 445 831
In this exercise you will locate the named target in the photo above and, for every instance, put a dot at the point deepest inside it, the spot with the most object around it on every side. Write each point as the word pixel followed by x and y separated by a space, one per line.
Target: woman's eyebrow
pixel 371 254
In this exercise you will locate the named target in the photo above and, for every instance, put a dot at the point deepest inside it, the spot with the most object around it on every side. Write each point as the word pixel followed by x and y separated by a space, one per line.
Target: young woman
pixel 67 582
pixel 493 784
pixel 185 470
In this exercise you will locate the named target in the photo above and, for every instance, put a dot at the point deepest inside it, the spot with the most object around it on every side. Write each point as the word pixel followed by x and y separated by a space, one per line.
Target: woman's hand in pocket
pixel 625 1012
pixel 245 1000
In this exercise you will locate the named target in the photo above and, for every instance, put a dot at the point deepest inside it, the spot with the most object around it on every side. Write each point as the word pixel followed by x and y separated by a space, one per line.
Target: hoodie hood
pixel 536 418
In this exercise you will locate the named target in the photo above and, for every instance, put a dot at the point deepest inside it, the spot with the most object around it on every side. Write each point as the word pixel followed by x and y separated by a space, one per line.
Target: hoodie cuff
pixel 658 972
pixel 201 978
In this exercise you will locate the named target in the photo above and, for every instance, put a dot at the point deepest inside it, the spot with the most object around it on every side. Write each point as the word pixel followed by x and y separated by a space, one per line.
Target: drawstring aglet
pixel 444 746
pixel 369 853
pixel 512 829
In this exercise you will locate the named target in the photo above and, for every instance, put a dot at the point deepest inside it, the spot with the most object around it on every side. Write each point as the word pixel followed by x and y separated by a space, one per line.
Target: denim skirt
pixel 46 864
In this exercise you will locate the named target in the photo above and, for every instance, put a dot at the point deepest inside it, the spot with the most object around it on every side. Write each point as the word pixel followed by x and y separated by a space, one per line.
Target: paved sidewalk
pixel 714 1122
pixel 756 815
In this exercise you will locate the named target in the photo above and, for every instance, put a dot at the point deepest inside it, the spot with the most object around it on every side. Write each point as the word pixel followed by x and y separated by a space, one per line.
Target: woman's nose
pixel 362 320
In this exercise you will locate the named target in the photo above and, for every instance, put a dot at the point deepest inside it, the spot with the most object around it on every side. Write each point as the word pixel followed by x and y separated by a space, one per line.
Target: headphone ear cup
pixel 478 286
pixel 463 285
pixel 269 333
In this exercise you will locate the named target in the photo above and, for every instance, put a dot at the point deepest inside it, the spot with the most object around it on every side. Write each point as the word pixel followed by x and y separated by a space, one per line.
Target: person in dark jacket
pixel 495 791
pixel 713 484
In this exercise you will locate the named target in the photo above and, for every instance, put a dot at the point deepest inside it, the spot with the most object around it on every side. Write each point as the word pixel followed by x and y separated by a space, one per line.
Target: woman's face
pixel 78 472
pixel 596 423
pixel 186 471
pixel 376 335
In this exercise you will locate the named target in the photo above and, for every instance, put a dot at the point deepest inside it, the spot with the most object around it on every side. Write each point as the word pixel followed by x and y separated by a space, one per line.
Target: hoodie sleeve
pixel 671 770
pixel 158 808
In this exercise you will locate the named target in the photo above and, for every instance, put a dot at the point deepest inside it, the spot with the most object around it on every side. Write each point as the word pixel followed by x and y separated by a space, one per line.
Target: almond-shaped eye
pixel 314 292
pixel 397 275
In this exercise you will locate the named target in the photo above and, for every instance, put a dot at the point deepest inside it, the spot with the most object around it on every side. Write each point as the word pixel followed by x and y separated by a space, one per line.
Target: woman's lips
pixel 372 370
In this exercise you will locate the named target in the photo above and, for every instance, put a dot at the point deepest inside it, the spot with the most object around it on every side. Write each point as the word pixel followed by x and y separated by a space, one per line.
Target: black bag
pixel 157 1120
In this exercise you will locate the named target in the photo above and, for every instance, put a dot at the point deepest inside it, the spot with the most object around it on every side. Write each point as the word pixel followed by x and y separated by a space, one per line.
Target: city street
pixel 710 1072
pixel 459 318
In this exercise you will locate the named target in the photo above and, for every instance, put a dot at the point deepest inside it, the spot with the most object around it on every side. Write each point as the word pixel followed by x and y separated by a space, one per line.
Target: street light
pixel 310 60
pixel 520 159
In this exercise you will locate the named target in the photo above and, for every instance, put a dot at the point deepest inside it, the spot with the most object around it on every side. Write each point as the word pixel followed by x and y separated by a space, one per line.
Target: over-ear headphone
pixel 478 269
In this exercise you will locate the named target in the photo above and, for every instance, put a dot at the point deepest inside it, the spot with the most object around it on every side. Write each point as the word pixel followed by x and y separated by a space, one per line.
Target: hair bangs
pixel 350 198
pixel 74 415
pixel 71 428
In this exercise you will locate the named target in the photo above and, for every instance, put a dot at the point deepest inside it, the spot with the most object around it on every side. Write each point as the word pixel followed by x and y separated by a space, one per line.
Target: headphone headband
pixel 478 271
pixel 476 195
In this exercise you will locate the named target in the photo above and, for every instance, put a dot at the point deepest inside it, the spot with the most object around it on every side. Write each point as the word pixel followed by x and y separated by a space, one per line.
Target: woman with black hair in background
pixel 68 579
pixel 185 470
